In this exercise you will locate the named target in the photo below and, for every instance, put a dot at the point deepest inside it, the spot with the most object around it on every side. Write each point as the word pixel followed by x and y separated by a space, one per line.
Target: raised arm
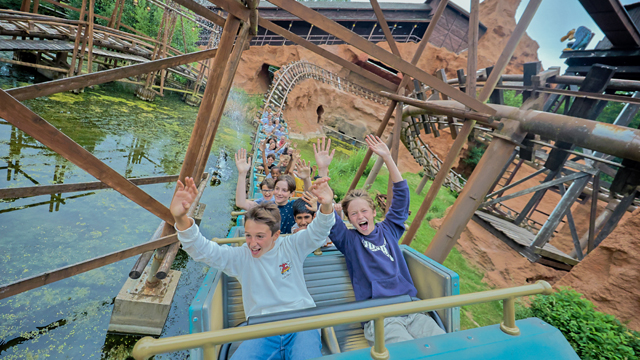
pixel 241 188
pixel 303 172
pixel 263 148
pixel 380 148
pixel 225 258
pixel 323 156
pixel 181 202
pixel 316 233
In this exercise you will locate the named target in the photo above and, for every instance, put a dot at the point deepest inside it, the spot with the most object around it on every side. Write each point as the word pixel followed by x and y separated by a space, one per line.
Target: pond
pixel 69 318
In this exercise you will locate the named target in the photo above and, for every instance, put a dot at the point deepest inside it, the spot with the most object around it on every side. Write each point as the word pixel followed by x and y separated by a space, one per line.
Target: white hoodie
pixel 273 282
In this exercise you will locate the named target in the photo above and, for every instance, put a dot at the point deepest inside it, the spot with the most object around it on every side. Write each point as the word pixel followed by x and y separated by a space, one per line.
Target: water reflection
pixel 68 319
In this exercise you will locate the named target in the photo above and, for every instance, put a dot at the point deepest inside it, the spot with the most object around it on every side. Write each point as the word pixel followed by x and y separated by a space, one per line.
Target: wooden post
pixel 446 240
pixel 592 214
pixel 472 52
pixel 221 99
pixel 81 34
pixel 202 120
pixel 36 5
pixel 25 6
pixel 405 80
pixel 395 148
pixel 90 39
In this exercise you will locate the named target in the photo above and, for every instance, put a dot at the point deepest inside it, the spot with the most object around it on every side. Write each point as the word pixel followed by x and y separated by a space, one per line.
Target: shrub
pixel 592 334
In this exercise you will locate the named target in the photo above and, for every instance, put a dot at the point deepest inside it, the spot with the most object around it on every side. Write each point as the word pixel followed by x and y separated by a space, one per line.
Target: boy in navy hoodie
pixel 374 258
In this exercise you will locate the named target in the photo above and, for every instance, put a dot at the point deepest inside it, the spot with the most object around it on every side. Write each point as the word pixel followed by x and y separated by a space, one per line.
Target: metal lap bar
pixel 149 346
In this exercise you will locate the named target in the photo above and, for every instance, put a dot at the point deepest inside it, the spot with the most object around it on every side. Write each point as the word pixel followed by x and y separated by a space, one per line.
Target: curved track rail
pixel 291 74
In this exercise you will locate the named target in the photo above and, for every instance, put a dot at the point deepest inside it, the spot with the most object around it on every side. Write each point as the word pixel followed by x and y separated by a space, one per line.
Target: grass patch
pixel 342 170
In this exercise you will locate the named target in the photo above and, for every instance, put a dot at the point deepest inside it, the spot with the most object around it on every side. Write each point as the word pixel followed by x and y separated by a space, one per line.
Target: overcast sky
pixel 553 20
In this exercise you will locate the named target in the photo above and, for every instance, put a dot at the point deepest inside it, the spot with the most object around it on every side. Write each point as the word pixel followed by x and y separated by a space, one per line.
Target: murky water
pixel 69 318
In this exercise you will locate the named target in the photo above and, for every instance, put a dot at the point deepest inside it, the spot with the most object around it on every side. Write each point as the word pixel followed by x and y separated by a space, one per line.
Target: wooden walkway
pixel 62 46
pixel 523 238
pixel 59 35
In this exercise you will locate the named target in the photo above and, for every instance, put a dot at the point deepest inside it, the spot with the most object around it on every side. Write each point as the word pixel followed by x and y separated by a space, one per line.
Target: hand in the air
pixel 377 146
pixel 322 191
pixel 311 200
pixel 303 169
pixel 242 163
pixel 321 152
pixel 183 198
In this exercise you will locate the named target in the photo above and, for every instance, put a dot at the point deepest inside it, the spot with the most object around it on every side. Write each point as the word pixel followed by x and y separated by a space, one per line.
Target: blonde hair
pixel 356 194
pixel 265 213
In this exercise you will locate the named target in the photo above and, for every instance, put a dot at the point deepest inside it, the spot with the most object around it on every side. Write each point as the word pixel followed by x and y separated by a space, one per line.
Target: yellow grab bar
pixel 148 346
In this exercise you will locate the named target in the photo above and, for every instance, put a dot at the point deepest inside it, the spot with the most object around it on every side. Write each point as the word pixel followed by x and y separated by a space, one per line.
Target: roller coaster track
pixel 287 77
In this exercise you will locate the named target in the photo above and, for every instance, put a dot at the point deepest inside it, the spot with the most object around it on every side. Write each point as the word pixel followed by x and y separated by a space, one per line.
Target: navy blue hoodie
pixel 375 262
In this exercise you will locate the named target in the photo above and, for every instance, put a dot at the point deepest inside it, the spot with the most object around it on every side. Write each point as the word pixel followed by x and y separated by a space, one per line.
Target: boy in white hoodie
pixel 269 267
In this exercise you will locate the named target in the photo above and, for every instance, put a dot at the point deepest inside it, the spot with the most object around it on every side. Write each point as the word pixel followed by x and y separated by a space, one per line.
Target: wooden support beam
pixel 221 99
pixel 447 237
pixel 592 214
pixel 385 29
pixel 81 81
pixel 23 192
pixel 325 53
pixel 395 147
pixel 38 128
pixel 544 185
pixel 616 216
pixel 544 235
pixel 351 38
pixel 572 227
pixel 203 120
pixel 405 80
pixel 49 277
pixel 472 52
pixel 37 66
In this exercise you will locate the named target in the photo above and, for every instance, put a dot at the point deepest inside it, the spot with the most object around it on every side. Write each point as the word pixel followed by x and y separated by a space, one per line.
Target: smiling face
pixel 361 216
pixel 266 192
pixel 272 144
pixel 260 239
pixel 303 220
pixel 282 193
pixel 275 172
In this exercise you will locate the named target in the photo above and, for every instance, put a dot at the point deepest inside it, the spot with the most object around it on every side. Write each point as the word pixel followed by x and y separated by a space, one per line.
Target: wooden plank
pixel 395 148
pixel 76 82
pixel 339 31
pixel 23 192
pixel 325 53
pixel 49 277
pixel 38 128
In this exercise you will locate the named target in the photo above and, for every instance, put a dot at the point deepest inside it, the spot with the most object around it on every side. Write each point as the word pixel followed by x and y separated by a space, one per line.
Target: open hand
pixel 262 146
pixel 322 154
pixel 242 163
pixel 377 146
pixel 183 198
pixel 302 170
pixel 322 191
pixel 311 200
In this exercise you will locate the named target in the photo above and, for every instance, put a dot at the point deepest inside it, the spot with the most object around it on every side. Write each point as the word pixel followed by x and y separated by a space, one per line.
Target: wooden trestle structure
pixel 512 129
pixel 59 47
